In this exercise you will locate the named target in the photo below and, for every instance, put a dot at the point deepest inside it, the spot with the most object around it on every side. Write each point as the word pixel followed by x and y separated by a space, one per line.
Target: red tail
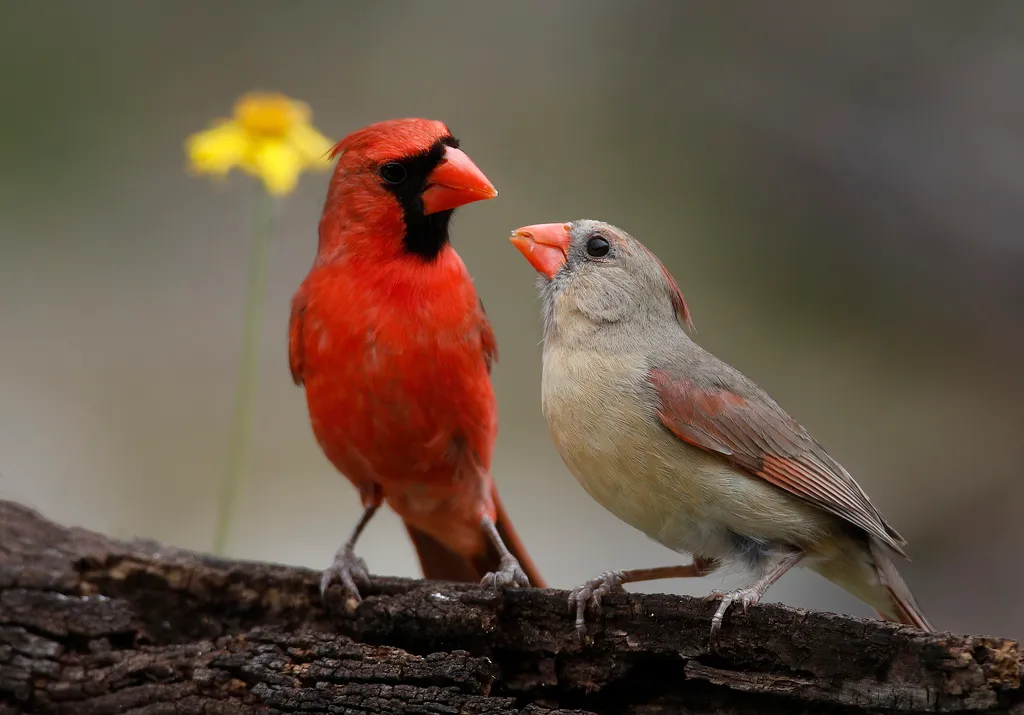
pixel 441 564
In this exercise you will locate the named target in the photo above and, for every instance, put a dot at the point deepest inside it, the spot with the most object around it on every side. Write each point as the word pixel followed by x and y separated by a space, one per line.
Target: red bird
pixel 390 339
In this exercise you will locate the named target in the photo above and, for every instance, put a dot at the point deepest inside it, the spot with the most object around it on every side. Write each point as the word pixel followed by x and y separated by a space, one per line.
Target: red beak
pixel 456 181
pixel 545 246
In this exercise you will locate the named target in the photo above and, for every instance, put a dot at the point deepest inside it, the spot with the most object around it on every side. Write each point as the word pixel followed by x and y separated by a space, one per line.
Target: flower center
pixel 270 115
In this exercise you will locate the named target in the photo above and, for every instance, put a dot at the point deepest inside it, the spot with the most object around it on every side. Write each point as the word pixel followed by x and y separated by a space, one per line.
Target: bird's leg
pixel 509 573
pixel 751 594
pixel 591 592
pixel 348 569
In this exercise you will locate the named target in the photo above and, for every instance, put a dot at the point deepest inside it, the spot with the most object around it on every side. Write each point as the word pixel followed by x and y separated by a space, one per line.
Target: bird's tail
pixel 903 607
pixel 439 563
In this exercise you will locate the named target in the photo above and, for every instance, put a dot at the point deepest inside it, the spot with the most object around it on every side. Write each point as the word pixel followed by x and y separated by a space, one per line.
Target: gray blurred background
pixel 837 187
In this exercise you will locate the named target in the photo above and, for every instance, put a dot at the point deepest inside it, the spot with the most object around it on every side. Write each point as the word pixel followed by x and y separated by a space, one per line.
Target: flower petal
pixel 311 145
pixel 216 150
pixel 270 115
pixel 278 164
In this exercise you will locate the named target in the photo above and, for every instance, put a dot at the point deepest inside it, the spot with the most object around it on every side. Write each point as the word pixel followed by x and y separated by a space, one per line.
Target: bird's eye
pixel 597 246
pixel 393 173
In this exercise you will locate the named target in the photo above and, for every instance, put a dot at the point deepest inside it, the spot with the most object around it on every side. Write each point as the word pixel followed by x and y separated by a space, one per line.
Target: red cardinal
pixel 390 339
pixel 684 447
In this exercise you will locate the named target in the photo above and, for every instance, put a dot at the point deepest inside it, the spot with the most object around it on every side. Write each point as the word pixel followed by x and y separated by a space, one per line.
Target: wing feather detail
pixel 759 438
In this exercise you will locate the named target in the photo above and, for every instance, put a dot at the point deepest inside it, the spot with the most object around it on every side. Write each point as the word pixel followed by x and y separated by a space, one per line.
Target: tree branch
pixel 92 625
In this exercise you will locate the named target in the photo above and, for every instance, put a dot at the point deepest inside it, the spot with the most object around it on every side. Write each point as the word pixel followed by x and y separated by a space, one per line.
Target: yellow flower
pixel 270 137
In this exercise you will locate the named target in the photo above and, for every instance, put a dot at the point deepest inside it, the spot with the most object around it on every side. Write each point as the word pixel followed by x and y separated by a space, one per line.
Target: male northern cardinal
pixel 684 447
pixel 390 339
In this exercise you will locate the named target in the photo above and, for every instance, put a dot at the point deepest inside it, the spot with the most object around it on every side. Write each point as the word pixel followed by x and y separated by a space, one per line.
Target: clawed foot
pixel 509 575
pixel 591 593
pixel 349 570
pixel 745 596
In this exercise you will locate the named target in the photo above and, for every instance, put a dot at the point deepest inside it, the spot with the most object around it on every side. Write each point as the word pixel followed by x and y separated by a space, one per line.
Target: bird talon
pixel 591 593
pixel 746 597
pixel 572 601
pixel 349 571
pixel 581 631
pixel 716 626
pixel 509 575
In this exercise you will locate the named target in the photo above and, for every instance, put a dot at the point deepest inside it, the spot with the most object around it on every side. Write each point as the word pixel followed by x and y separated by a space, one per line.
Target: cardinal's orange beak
pixel 454 182
pixel 544 245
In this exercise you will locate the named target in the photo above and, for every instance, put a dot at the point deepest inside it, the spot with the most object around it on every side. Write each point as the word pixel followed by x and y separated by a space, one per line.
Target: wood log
pixel 93 625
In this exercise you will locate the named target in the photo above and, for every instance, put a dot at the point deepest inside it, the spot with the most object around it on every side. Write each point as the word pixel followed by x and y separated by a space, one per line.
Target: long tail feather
pixel 438 563
pixel 904 605
pixel 441 564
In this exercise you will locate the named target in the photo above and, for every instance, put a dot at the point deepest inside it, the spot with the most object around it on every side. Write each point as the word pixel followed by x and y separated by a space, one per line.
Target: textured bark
pixel 91 625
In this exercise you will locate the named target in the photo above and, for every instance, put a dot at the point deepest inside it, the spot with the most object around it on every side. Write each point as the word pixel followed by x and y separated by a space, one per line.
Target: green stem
pixel 245 397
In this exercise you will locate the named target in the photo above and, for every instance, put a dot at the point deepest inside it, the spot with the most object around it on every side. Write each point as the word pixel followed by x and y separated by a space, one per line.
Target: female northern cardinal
pixel 390 339
pixel 682 446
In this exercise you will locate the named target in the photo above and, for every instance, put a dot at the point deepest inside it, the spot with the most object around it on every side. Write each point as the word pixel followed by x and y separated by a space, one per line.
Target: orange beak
pixel 544 245
pixel 455 182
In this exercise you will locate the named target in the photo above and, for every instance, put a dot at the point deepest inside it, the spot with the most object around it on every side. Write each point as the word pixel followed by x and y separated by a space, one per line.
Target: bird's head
pixel 395 188
pixel 594 274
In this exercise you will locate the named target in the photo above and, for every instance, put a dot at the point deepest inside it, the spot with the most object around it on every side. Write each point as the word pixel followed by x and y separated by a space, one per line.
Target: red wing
pixel 487 339
pixel 296 356
pixel 758 437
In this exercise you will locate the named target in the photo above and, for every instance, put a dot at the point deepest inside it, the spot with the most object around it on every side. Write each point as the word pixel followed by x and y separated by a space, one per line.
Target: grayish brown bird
pixel 682 446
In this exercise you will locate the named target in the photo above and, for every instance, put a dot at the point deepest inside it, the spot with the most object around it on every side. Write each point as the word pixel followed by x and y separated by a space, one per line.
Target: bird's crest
pixel 676 295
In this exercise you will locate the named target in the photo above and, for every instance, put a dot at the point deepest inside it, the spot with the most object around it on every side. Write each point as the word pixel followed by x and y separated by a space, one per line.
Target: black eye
pixel 393 173
pixel 597 246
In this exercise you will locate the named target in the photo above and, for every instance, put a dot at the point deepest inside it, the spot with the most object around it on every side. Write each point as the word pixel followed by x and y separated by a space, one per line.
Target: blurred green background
pixel 837 187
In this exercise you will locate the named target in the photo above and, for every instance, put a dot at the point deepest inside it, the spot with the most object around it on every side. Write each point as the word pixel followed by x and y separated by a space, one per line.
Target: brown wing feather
pixel 764 441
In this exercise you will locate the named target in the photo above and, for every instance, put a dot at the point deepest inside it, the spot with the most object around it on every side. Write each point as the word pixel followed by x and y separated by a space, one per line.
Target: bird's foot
pixel 591 593
pixel 745 596
pixel 509 575
pixel 349 570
